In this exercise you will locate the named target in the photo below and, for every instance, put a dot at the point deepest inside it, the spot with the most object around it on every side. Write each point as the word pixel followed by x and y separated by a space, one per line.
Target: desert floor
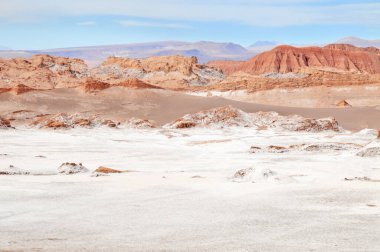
pixel 181 194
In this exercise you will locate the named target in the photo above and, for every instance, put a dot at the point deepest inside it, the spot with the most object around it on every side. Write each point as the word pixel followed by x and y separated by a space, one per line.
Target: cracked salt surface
pixel 305 203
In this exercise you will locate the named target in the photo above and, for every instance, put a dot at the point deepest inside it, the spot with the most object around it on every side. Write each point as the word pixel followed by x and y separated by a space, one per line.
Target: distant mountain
pixel 93 55
pixel 359 42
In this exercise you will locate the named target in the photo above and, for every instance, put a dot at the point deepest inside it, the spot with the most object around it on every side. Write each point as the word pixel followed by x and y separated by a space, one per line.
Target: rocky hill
pixel 286 59
pixel 163 71
pixel 41 72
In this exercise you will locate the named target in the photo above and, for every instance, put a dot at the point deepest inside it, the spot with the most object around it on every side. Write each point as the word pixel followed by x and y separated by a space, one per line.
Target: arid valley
pixel 190 146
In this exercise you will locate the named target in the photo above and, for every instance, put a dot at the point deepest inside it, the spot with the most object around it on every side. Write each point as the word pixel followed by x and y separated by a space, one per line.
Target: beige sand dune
pixel 164 106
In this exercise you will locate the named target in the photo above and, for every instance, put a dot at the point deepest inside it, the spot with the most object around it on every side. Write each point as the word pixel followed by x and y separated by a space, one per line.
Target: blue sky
pixel 41 24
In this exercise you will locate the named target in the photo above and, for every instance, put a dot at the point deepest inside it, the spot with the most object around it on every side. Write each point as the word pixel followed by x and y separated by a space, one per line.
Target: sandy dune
pixel 164 106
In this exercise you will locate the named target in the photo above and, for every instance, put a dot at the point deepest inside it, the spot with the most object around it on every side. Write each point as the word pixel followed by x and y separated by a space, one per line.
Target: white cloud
pixel 252 12
pixel 135 23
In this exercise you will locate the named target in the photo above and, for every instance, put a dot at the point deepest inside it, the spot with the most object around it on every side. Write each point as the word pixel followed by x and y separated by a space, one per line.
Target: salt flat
pixel 181 194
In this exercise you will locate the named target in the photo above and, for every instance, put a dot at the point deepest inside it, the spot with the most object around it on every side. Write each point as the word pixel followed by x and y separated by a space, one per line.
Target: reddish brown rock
pixel 107 170
pixel 92 85
pixel 67 121
pixel 135 83
pixel 5 123
pixel 285 59
pixel 17 89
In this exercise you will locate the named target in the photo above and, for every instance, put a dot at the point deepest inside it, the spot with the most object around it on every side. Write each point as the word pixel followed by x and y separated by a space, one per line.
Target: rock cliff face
pixel 310 78
pixel 41 72
pixel 286 59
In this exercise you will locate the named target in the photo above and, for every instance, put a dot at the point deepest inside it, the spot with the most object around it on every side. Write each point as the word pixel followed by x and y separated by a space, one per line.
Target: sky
pixel 43 24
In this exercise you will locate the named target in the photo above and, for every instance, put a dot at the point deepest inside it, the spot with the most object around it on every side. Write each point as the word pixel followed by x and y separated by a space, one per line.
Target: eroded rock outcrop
pixel 218 117
pixel 231 117
pixel 92 85
pixel 137 123
pixel 67 121
pixel 161 71
pixel 41 72
pixel 285 59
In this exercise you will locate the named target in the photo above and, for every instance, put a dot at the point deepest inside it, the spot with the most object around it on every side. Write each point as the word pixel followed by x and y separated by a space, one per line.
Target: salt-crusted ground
pixel 181 194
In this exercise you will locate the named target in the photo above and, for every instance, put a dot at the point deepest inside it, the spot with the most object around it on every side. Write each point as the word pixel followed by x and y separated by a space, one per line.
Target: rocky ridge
pixel 286 59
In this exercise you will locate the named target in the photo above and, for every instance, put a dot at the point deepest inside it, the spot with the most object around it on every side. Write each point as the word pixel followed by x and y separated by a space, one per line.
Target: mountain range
pixel 204 50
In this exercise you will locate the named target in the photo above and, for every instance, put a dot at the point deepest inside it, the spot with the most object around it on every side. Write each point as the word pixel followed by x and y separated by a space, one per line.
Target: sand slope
pixel 164 106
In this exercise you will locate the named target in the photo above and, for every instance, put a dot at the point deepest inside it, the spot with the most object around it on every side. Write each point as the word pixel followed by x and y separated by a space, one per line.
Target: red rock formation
pixel 135 83
pixel 17 90
pixel 310 78
pixel 285 59
pixel 93 85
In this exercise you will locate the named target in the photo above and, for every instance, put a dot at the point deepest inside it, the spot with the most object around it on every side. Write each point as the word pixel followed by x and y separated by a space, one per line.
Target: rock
pixel 106 170
pixel 221 117
pixel 67 121
pixel 277 149
pixel 229 116
pixel 322 147
pixel 370 152
pixel 92 85
pixel 72 168
pixel 182 124
pixel 139 123
pixel 136 84
pixel 5 123
pixel 255 149
pixel 12 170
pixel 378 134
pixel 343 104
pixel 294 122
pixel 41 72
pixel 174 72
pixel 254 175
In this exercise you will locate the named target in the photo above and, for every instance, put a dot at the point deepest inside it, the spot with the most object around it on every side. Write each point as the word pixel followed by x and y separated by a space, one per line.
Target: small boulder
pixel 106 170
pixel 343 104
pixel 5 123
pixel 72 168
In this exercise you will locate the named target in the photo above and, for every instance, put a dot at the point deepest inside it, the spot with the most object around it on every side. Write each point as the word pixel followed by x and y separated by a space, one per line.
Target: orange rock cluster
pixel 282 67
